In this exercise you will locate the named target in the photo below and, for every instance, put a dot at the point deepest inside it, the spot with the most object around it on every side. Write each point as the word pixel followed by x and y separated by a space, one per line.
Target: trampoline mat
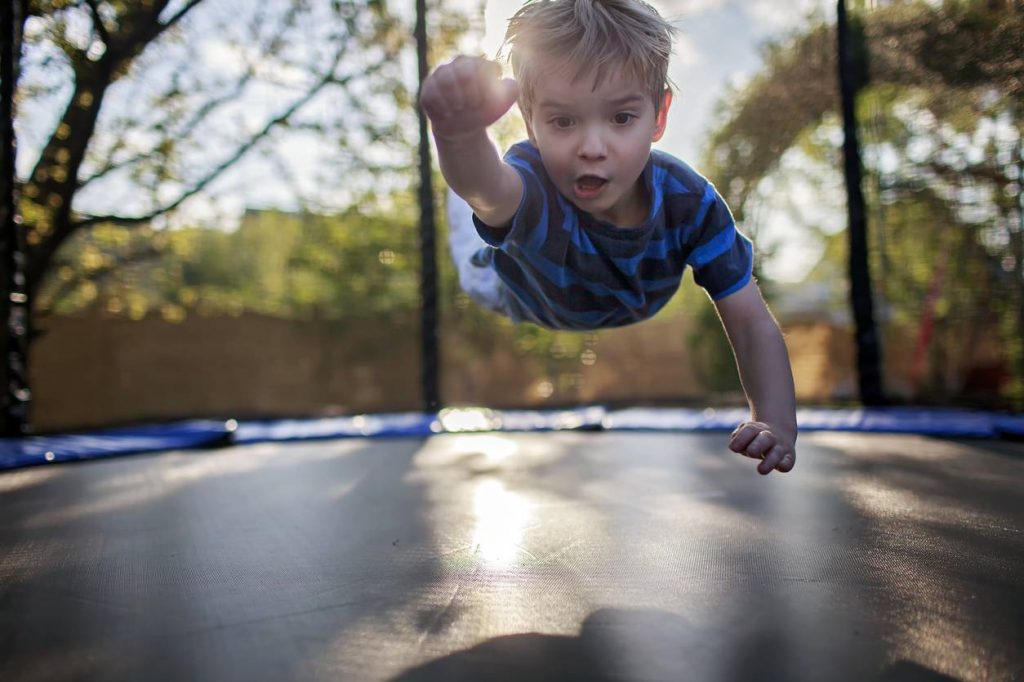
pixel 580 556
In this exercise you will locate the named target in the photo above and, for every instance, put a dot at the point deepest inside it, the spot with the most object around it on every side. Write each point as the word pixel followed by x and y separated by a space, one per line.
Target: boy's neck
pixel 632 211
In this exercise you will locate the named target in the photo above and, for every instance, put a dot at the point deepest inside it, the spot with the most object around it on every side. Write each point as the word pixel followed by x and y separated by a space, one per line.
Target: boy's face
pixel 595 142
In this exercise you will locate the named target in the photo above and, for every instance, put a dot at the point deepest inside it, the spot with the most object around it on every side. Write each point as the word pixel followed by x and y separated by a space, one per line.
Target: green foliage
pixel 291 265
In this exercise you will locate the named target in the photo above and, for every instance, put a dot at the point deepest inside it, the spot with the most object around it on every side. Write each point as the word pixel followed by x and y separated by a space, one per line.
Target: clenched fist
pixel 760 440
pixel 466 95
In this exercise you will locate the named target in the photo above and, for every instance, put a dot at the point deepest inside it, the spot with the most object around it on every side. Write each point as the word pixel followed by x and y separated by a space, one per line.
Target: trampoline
pixel 576 545
pixel 616 555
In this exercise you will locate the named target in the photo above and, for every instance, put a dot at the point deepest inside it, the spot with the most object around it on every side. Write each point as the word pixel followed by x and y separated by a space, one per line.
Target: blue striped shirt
pixel 566 269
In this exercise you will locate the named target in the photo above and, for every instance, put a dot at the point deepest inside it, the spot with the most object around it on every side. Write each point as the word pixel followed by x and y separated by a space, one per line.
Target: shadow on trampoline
pixel 621 645
pixel 613 644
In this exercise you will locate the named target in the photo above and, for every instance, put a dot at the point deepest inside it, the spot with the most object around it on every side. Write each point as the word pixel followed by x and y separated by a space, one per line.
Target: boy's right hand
pixel 466 95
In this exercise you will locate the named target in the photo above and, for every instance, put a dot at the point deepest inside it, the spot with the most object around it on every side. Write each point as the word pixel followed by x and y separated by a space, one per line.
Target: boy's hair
pixel 592 34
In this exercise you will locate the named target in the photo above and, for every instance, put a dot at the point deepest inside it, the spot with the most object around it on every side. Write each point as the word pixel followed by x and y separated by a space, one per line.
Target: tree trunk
pixel 53 182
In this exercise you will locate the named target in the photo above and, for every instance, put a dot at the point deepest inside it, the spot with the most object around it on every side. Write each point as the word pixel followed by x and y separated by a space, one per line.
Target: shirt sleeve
pixel 723 257
pixel 533 204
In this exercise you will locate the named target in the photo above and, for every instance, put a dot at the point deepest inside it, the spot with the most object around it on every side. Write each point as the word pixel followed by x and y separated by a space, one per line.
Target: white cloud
pixel 672 8
pixel 773 16
pixel 687 52
pixel 233 60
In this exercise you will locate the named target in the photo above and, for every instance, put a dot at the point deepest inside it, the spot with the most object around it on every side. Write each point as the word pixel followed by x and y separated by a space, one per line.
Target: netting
pixel 942 119
pixel 939 121
pixel 225 221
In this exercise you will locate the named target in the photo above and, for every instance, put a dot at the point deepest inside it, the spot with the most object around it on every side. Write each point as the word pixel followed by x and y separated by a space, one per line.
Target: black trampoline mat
pixel 581 556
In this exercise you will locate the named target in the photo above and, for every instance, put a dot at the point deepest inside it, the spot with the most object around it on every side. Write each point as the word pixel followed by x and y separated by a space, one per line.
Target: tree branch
pixel 198 117
pixel 160 28
pixel 127 45
pixel 328 78
pixel 97 21
pixel 200 114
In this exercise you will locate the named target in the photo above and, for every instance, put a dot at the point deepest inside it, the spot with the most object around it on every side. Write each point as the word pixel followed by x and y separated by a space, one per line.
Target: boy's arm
pixel 763 364
pixel 471 166
pixel 461 99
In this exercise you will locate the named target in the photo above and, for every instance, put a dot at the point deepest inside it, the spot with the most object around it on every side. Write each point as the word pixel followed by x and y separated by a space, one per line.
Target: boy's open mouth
pixel 589 186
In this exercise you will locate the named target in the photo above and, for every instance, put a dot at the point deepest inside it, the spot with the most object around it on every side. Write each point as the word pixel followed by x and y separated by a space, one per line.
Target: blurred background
pixel 220 215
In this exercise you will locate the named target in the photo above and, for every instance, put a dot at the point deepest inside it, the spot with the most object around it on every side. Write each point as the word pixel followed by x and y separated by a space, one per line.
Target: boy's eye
pixel 622 118
pixel 561 122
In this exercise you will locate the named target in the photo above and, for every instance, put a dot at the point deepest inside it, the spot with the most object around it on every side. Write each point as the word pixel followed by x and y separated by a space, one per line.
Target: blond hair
pixel 590 34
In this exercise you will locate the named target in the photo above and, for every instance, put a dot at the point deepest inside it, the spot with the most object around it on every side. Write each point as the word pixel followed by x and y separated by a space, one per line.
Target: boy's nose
pixel 592 145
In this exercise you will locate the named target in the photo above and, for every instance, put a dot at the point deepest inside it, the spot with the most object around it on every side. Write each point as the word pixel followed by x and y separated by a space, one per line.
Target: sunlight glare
pixel 501 518
pixel 456 420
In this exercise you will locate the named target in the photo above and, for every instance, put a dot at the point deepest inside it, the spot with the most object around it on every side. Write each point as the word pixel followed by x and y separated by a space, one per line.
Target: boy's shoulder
pixel 524 152
pixel 674 175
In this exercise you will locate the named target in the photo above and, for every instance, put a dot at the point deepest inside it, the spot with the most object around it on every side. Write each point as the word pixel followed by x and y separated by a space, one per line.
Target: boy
pixel 583 226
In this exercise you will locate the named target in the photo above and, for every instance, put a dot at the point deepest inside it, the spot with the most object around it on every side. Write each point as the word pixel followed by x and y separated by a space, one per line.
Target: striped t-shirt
pixel 566 269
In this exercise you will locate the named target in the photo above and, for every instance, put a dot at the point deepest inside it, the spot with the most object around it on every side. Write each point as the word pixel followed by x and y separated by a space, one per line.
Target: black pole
pixel 851 73
pixel 13 301
pixel 428 231
pixel 1018 111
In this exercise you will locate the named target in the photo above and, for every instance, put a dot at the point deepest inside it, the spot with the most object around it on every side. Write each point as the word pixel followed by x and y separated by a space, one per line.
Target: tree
pixel 943 125
pixel 147 122
pixel 300 266
pixel 912 44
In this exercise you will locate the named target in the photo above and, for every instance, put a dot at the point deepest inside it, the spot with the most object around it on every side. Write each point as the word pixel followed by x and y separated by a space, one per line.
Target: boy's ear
pixel 661 121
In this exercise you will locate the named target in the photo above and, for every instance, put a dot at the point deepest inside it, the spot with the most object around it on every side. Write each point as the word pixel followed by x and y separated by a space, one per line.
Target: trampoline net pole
pixel 851 78
pixel 14 310
pixel 428 230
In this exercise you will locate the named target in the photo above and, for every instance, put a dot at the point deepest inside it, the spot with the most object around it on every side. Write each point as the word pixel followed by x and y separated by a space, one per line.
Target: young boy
pixel 583 226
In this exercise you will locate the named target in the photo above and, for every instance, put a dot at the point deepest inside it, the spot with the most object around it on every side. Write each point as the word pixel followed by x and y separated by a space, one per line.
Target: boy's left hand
pixel 771 445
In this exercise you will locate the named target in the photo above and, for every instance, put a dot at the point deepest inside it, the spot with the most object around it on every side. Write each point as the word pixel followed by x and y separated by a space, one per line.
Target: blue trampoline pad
pixel 71 447
pixel 20 452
